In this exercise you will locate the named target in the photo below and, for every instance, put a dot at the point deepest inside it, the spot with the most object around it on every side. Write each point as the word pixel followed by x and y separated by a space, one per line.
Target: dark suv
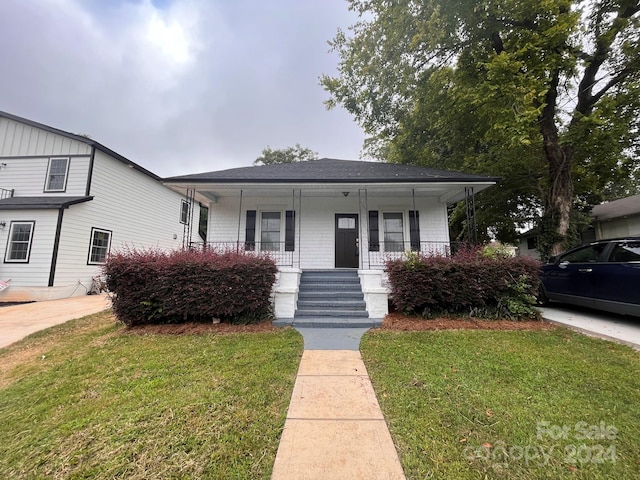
pixel 603 275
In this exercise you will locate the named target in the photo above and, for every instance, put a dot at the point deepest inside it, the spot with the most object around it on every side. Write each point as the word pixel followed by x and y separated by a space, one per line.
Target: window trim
pixel 32 223
pixel 184 214
pixel 91 238
pixel 384 232
pixel 47 180
pixel 280 231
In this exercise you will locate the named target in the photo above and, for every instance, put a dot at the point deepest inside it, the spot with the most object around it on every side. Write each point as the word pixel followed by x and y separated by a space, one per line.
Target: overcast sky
pixel 178 86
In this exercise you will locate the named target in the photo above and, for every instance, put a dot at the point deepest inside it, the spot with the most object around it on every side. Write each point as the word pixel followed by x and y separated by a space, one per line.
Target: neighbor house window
pixel 100 245
pixel 270 231
pixel 393 232
pixel 19 243
pixel 57 175
pixel 184 212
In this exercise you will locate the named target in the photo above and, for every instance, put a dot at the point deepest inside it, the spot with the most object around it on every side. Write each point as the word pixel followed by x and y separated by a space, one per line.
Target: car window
pixel 626 252
pixel 586 254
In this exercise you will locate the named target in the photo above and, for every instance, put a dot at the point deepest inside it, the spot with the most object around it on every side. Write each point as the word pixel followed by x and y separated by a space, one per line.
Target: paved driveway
pixel 18 321
pixel 593 322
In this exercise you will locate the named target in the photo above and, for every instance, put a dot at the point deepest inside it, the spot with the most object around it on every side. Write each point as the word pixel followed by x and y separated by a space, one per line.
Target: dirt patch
pixel 396 321
pixel 199 328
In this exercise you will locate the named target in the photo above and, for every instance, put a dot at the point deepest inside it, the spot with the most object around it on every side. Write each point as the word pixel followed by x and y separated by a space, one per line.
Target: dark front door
pixel 347 248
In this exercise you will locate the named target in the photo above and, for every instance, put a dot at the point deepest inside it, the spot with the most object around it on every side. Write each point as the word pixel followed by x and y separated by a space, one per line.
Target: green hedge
pixel 152 286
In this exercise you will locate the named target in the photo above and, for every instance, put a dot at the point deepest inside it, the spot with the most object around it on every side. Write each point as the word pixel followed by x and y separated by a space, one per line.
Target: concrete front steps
pixel 330 299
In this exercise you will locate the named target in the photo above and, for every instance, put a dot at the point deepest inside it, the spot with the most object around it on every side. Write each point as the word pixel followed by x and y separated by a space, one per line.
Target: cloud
pixel 178 86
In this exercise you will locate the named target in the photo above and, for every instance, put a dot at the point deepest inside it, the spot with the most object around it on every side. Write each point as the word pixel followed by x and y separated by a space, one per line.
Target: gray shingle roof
pixel 40 203
pixel 618 208
pixel 329 170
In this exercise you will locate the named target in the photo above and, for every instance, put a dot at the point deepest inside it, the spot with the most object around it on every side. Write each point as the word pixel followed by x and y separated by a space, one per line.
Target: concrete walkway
pixel 18 321
pixel 334 428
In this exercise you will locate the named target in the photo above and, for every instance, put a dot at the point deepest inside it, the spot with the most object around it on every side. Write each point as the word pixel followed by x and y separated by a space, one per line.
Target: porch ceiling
pixel 446 192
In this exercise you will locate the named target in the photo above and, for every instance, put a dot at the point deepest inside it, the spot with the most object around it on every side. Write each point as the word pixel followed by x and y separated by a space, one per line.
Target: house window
pixel 203 222
pixel 19 243
pixel 184 212
pixel 532 243
pixel 270 231
pixel 100 246
pixel 57 175
pixel 393 232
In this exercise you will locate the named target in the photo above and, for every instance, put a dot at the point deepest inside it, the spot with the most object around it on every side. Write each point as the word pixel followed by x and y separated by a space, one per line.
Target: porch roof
pixel 329 174
pixel 330 170
pixel 41 203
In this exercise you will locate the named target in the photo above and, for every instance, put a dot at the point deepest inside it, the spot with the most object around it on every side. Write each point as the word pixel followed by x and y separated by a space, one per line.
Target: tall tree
pixel 285 155
pixel 544 93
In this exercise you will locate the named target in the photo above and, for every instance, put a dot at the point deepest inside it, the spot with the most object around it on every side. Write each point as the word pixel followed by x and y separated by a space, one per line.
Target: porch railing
pixel 280 252
pixel 380 253
pixel 283 253
pixel 6 193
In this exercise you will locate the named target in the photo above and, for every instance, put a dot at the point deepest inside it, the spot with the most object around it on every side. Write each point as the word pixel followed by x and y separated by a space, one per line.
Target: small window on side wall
pixel 100 246
pixel 184 212
pixel 57 173
pixel 19 242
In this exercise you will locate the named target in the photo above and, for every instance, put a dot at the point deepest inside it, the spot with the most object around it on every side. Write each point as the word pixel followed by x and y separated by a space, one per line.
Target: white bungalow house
pixel 66 201
pixel 329 214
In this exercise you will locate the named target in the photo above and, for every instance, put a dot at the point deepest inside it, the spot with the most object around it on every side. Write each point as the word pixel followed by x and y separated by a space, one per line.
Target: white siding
pixel 19 139
pixel 315 221
pixel 27 176
pixel 138 210
pixel 620 227
pixel 36 272
pixel 524 251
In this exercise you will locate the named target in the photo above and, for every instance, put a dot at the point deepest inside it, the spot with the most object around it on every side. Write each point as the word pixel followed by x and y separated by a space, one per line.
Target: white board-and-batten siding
pixel 20 140
pixel 315 221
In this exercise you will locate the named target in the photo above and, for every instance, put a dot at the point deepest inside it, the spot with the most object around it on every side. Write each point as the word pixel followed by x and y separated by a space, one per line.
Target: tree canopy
pixel 285 155
pixel 545 94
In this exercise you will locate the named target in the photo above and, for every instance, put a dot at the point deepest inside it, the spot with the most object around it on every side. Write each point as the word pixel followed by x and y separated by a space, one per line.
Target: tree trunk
pixel 556 222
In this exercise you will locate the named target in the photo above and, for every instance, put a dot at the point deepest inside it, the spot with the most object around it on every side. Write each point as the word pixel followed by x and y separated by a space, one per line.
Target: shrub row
pixel 157 287
pixel 472 282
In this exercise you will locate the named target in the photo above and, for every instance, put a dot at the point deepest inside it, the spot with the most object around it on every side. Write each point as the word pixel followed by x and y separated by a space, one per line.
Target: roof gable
pixel 82 139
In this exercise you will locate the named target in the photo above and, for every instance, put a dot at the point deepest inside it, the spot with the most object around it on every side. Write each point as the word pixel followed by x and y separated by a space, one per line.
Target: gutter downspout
pixel 92 159
pixel 56 246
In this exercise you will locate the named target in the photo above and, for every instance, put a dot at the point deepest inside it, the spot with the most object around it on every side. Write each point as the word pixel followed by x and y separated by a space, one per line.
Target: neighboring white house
pixel 528 244
pixel 330 214
pixel 619 218
pixel 66 201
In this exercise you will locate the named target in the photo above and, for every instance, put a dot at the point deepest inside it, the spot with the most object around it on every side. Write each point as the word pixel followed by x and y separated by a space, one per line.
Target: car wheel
pixel 542 298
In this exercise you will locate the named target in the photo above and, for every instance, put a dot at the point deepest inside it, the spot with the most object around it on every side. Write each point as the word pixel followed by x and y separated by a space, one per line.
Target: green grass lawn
pixel 84 400
pixel 515 405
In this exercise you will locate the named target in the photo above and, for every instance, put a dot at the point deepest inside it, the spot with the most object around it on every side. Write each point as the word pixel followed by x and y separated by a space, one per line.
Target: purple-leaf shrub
pixel 468 282
pixel 152 286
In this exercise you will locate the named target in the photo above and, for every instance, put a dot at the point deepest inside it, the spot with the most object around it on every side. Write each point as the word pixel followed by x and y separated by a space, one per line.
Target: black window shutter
pixel 414 230
pixel 374 234
pixel 290 231
pixel 250 233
